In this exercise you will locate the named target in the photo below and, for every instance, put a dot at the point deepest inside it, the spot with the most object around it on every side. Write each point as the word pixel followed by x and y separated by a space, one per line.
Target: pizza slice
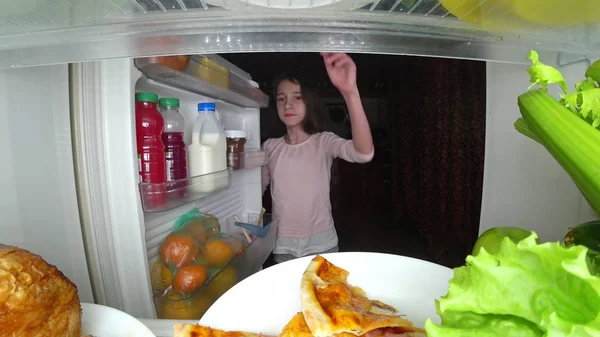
pixel 197 330
pixel 332 307
pixel 297 327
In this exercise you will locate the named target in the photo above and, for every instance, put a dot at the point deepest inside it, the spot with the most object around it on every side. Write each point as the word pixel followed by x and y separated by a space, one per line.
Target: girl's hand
pixel 342 72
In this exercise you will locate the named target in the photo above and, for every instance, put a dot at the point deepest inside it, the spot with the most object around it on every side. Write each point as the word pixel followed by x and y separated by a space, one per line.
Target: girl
pixel 299 164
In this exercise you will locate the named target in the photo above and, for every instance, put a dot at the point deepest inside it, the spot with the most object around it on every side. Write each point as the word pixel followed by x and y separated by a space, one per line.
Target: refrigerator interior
pixel 522 182
pixel 69 182
pixel 517 174
pixel 521 179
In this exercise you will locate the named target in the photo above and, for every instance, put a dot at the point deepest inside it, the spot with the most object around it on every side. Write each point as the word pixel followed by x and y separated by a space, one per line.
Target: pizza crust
pixel 333 307
pixel 197 330
pixel 297 327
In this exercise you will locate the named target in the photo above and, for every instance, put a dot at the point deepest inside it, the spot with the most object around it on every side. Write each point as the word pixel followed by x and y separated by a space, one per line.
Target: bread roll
pixel 36 299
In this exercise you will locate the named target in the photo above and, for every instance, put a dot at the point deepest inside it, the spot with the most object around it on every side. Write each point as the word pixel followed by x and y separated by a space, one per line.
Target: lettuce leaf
pixel 471 324
pixel 527 290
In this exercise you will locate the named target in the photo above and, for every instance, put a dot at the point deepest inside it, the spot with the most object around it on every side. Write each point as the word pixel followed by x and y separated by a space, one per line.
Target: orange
pixel 218 253
pixel 178 250
pixel 174 306
pixel 189 278
pixel 202 229
pixel 196 229
pixel 222 282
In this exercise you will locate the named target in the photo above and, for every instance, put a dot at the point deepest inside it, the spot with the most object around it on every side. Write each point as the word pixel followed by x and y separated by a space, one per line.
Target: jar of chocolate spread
pixel 236 141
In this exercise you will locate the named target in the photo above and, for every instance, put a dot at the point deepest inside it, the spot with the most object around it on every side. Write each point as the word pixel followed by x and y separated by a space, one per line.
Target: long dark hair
pixel 312 122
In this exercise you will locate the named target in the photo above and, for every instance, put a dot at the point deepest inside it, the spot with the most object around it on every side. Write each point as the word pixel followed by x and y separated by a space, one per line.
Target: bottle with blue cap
pixel 207 152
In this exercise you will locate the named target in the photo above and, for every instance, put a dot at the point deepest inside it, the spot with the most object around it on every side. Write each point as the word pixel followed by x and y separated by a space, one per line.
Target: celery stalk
pixel 573 142
pixel 524 129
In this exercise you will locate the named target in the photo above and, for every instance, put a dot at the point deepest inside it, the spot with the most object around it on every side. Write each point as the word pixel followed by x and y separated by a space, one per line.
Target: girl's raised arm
pixel 342 73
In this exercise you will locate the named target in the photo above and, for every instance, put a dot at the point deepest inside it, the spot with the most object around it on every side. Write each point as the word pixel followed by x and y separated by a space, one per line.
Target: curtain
pixel 438 148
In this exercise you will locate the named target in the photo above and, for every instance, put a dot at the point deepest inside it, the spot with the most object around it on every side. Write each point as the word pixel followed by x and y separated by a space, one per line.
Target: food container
pixel 175 62
pixel 236 142
pixel 208 70
pixel 234 71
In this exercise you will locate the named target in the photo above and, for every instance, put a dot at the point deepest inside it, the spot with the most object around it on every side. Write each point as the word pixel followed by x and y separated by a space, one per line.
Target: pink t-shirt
pixel 299 175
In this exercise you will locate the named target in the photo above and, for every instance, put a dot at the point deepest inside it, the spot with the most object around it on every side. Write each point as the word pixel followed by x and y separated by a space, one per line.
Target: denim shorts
pixel 286 257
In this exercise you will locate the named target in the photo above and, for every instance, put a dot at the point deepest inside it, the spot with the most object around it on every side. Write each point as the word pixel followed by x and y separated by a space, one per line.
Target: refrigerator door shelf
pixel 197 79
pixel 165 196
pixel 249 159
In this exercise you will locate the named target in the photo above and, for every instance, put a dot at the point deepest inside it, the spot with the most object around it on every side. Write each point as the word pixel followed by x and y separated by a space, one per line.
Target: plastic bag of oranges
pixel 193 258
pixel 198 225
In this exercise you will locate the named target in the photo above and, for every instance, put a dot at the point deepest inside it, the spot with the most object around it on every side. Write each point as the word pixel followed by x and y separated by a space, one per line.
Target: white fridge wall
pixel 38 198
pixel 523 185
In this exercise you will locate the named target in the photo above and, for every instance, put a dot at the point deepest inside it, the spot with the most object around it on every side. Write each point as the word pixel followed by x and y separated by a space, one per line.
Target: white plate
pixel 102 321
pixel 267 300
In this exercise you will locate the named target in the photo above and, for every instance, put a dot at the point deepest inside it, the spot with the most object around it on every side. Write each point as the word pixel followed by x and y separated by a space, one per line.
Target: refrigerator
pixel 69 178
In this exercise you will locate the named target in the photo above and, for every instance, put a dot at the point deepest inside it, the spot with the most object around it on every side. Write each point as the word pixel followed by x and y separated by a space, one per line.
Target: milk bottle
pixel 207 151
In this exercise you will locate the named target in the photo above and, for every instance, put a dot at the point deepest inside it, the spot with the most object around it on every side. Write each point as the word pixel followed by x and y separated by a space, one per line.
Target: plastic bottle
pixel 150 148
pixel 207 152
pixel 175 152
pixel 172 137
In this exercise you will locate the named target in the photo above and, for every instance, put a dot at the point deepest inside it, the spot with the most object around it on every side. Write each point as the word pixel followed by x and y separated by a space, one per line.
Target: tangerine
pixel 178 250
pixel 218 253
pixel 202 228
pixel 196 229
pixel 222 282
pixel 189 278
pixel 173 306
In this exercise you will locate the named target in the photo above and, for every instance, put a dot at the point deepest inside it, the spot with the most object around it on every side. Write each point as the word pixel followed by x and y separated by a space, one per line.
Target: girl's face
pixel 291 108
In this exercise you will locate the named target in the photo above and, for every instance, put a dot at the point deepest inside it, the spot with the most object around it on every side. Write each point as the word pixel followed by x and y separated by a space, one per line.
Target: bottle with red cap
pixel 150 149
pixel 172 137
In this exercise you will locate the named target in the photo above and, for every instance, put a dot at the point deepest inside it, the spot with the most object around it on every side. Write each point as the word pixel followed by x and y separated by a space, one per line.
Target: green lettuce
pixel 525 290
